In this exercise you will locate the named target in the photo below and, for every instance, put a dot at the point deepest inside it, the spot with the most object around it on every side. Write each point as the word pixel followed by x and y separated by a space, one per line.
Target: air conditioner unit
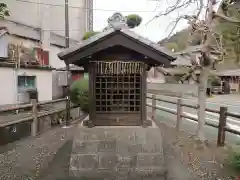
pixel 63 78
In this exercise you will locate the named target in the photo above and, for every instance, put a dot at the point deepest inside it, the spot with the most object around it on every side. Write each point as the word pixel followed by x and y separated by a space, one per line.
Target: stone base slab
pixel 118 153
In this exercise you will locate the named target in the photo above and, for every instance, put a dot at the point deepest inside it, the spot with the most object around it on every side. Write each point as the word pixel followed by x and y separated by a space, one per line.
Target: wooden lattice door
pixel 118 93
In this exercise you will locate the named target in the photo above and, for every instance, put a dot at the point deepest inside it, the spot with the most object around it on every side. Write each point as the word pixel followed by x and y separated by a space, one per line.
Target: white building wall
pixel 43 82
pixel 40 14
pixel 3 46
pixel 8 81
pixel 54 61
pixel 47 78
pixel 7 90
pixel 49 18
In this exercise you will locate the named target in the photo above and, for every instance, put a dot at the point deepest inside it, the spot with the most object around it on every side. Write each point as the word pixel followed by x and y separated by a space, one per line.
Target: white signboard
pixel 173 89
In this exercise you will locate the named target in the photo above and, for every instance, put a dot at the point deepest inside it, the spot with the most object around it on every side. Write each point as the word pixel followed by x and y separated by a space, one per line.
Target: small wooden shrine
pixel 117 61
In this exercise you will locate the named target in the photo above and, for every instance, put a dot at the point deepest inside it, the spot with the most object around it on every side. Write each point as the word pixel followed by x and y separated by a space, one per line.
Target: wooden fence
pixel 223 114
pixel 36 117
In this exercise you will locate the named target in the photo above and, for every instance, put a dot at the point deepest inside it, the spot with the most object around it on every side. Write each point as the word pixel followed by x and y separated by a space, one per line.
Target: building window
pixel 26 82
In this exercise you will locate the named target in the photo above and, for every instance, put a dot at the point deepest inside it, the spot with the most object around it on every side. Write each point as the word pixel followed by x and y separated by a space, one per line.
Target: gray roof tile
pixel 86 42
pixel 148 42
pixel 29 32
pixel 110 31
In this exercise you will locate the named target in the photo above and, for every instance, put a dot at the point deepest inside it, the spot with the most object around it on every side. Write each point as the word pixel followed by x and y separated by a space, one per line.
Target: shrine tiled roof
pixel 125 31
pixel 117 35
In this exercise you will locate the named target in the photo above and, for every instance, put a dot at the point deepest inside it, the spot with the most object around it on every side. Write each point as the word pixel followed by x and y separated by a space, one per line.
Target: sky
pixel 147 9
pixel 155 30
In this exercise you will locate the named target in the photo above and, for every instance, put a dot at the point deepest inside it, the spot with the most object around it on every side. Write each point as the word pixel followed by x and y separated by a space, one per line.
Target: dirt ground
pixel 207 162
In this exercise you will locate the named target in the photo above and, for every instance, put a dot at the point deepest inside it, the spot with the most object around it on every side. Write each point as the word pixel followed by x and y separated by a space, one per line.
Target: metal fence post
pixel 179 113
pixel 35 120
pixel 221 126
pixel 154 104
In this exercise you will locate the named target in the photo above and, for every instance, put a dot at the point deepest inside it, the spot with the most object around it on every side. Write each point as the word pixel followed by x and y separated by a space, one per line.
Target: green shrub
pixel 79 94
pixel 234 157
pixel 214 80
pixel 89 34
pixel 133 20
pixel 235 160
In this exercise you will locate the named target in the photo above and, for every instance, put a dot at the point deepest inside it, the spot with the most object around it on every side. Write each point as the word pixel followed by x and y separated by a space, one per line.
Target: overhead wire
pixel 79 7
pixel 83 8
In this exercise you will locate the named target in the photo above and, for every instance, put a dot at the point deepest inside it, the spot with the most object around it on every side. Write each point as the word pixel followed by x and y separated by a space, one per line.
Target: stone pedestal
pixel 124 153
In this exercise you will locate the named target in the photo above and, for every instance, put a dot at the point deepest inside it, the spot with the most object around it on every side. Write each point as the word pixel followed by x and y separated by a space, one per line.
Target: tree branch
pixel 188 74
pixel 231 20
pixel 177 5
pixel 175 25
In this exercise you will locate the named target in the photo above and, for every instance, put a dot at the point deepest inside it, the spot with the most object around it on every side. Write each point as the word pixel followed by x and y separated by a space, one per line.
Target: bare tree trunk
pixel 204 77
pixel 202 103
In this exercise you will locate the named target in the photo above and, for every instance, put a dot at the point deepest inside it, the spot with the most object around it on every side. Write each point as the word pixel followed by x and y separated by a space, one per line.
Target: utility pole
pixel 66 24
pixel 67 65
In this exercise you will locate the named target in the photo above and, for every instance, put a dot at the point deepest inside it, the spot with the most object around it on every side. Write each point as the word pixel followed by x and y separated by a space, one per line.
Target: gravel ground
pixel 187 159
pixel 47 157
pixel 58 168
pixel 28 158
